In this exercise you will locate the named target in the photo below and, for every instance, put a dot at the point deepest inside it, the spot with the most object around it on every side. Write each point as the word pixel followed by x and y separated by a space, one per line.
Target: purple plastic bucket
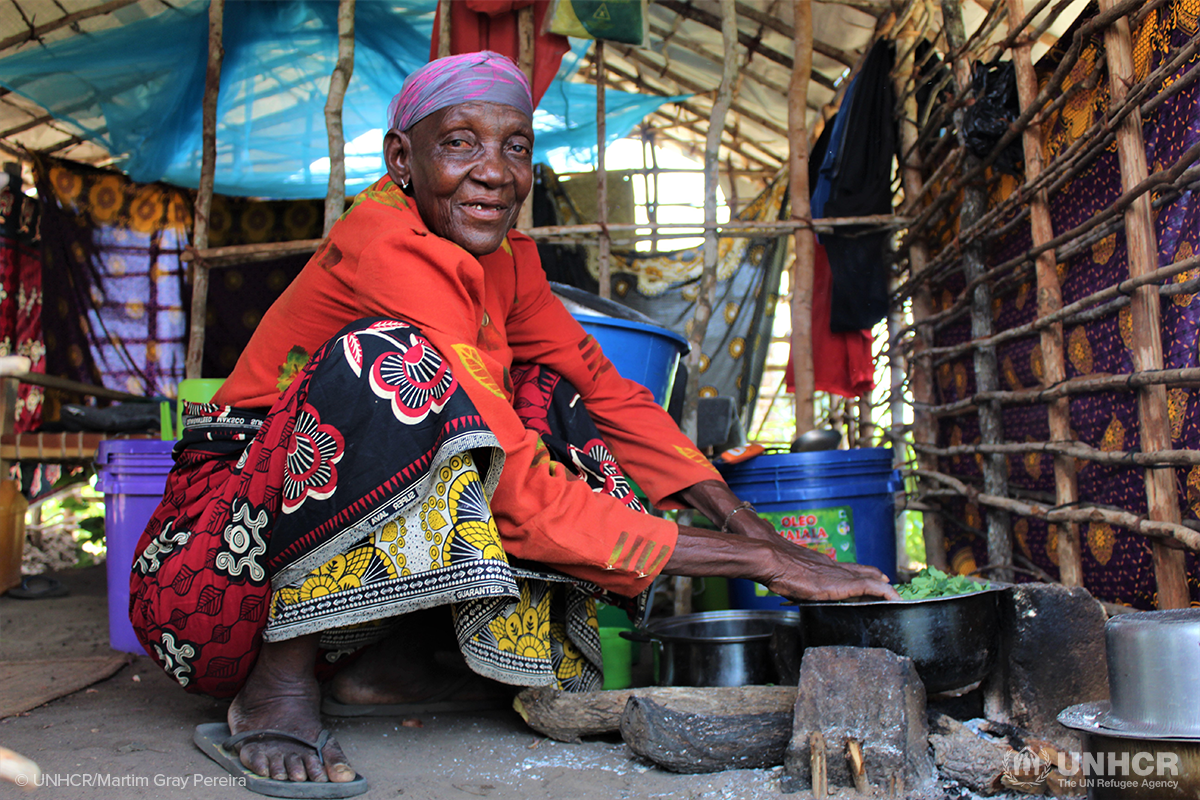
pixel 132 473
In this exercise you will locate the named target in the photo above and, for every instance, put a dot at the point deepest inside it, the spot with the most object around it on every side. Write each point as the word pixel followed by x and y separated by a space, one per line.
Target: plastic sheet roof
pixel 282 79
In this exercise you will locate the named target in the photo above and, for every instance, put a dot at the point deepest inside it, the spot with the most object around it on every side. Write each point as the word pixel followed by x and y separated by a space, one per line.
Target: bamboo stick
pixel 675 40
pixel 1083 385
pixel 1054 368
pixel 1154 426
pixel 689 85
pixel 776 24
pixel 605 275
pixel 335 196
pixel 805 244
pixel 68 385
pixel 1127 287
pixel 987 373
pixel 208 169
pixel 1073 450
pixel 242 254
pixel 744 39
pixel 37 32
pixel 920 370
pixel 525 59
pixel 1170 532
pixel 698 113
pixel 444 22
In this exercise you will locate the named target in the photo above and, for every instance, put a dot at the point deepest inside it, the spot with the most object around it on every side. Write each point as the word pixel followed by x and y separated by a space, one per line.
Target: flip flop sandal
pixel 440 703
pixel 215 741
pixel 38 587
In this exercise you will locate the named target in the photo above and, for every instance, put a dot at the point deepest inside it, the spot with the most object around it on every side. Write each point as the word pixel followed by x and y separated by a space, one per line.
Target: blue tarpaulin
pixel 136 90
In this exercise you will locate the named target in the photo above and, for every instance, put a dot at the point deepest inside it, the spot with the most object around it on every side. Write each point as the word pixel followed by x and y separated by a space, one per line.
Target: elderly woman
pixel 420 441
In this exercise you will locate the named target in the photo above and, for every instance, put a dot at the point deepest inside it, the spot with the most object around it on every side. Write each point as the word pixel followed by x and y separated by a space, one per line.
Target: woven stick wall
pixel 1048 286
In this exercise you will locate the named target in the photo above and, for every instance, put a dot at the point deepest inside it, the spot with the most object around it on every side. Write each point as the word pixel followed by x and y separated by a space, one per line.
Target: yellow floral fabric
pixel 538 630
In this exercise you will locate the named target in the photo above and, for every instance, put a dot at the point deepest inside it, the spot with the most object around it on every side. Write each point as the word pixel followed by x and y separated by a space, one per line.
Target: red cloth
pixel 21 319
pixel 842 362
pixel 483 315
pixel 492 25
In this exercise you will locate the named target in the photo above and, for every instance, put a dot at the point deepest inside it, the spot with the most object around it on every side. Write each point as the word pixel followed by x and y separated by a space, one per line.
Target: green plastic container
pixel 617 653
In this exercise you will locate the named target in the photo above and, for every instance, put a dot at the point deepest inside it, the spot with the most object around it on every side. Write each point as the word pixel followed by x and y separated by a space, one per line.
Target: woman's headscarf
pixel 485 76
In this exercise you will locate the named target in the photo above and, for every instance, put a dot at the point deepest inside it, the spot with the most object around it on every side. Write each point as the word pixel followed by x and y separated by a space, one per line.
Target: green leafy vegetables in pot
pixel 932 582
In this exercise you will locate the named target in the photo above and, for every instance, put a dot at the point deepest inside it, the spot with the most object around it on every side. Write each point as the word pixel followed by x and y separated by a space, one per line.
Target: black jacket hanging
pixel 861 185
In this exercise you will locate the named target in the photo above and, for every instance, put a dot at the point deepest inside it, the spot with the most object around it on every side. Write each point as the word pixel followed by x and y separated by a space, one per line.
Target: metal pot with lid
pixel 716 648
pixel 1145 741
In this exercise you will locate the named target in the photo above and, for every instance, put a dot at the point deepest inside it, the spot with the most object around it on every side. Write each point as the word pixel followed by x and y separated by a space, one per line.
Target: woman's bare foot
pixel 404 668
pixel 282 694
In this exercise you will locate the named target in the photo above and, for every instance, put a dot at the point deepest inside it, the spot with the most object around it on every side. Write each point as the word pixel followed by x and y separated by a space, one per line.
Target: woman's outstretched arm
pixel 752 549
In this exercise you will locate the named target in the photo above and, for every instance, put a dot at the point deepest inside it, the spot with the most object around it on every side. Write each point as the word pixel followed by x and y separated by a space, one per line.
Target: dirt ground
pixel 131 736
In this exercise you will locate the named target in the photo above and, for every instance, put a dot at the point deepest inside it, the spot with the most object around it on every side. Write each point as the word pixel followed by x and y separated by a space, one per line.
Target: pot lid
pixel 1097 718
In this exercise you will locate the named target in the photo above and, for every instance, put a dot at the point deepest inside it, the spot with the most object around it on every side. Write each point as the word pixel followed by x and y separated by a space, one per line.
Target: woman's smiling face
pixel 470 167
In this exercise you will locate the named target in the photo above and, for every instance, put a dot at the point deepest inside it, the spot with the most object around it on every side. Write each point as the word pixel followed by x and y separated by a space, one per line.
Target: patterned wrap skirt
pixel 362 495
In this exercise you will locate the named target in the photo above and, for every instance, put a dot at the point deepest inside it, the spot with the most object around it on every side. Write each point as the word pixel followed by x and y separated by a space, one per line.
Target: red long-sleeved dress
pixel 484 315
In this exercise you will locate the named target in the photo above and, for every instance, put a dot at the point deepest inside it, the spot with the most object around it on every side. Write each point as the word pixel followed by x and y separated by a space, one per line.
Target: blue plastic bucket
pixel 132 473
pixel 839 502
pixel 646 354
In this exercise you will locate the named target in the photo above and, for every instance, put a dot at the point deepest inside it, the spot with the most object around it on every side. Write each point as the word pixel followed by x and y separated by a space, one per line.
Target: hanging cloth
pixel 858 169
pixel 492 25
pixel 842 363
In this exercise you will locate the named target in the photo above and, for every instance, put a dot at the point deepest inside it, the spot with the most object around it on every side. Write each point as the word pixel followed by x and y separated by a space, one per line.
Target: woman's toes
pixel 255 759
pixel 316 772
pixel 295 767
pixel 340 772
pixel 278 770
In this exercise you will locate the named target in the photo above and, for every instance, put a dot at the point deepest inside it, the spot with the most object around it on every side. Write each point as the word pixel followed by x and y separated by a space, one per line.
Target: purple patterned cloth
pixel 1117 564
pixel 484 76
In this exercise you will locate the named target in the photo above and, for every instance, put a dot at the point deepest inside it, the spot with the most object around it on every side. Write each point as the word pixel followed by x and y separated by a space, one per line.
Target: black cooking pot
pixel 951 640
pixel 716 648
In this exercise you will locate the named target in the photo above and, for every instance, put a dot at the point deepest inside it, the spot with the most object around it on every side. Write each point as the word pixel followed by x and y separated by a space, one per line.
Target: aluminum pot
pixel 1153 677
pixel 952 640
pixel 715 648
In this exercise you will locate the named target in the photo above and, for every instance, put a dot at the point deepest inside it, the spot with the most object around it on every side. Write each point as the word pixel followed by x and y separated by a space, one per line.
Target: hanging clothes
pixel 855 180
pixel 492 25
pixel 842 363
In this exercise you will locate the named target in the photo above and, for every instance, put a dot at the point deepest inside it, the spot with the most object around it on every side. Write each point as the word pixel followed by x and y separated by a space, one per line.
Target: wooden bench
pixel 49 448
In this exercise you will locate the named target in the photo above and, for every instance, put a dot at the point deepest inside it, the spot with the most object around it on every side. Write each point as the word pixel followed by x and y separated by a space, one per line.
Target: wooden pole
pixel 37 32
pixel 335 196
pixel 1054 369
pixel 208 171
pixel 443 14
pixel 603 267
pixel 920 371
pixel 525 60
pixel 798 191
pixel 712 164
pixel 987 373
pixel 1162 501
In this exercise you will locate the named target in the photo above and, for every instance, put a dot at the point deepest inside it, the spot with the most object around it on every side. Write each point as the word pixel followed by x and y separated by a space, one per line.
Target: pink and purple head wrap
pixel 485 76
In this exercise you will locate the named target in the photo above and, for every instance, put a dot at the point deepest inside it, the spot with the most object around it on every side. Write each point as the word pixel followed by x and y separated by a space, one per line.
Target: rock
pixel 1052 655
pixel 965 757
pixel 567 716
pixel 709 730
pixel 872 696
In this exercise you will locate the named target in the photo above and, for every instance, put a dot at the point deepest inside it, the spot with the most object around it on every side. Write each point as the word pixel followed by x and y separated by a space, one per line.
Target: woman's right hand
pixel 783 567
pixel 798 573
